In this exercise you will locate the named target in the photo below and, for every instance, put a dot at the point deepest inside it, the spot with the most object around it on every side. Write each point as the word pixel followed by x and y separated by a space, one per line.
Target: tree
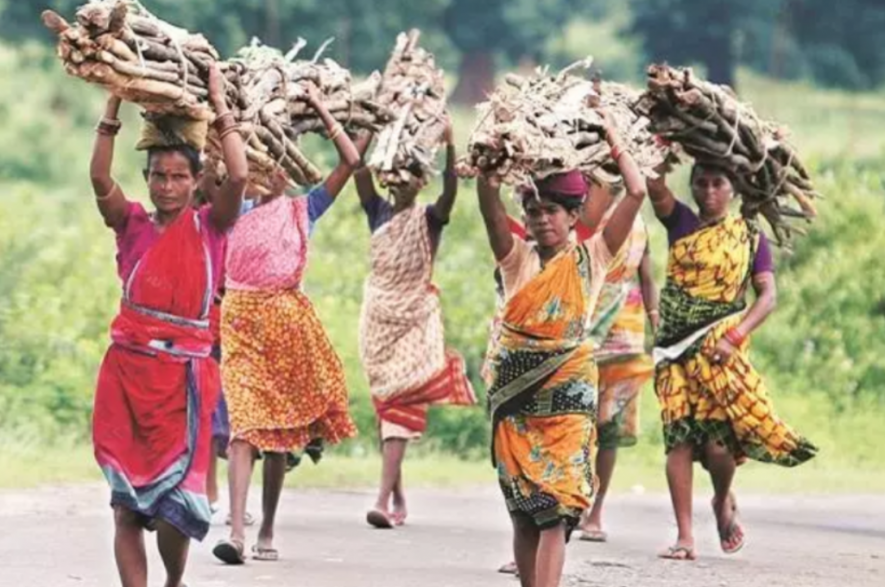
pixel 703 31
pixel 484 30
pixel 841 41
pixel 364 32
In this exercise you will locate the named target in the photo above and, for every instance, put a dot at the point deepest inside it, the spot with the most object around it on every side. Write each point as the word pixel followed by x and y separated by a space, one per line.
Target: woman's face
pixel 547 222
pixel 405 195
pixel 171 182
pixel 713 192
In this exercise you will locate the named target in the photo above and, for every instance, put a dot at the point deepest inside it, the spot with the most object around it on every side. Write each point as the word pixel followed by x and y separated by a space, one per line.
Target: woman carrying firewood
pixel 157 385
pixel 283 382
pixel 402 346
pixel 618 333
pixel 542 399
pixel 714 406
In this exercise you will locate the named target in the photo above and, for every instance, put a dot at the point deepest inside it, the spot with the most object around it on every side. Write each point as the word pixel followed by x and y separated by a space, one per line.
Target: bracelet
pixel 115 122
pixel 108 195
pixel 228 130
pixel 653 313
pixel 734 337
pixel 227 123
pixel 616 152
pixel 217 122
pixel 336 132
pixel 108 127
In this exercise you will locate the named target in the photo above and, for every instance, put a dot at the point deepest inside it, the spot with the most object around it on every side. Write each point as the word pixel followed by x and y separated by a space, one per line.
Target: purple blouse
pixel 682 222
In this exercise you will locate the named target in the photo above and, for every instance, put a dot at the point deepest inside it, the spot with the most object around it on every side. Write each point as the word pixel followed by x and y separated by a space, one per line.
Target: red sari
pixel 157 386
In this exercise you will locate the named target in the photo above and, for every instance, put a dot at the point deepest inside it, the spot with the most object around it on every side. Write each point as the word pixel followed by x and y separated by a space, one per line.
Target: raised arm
pixel 598 201
pixel 662 199
pixel 112 203
pixel 494 214
pixel 229 196
pixel 621 222
pixel 649 291
pixel 362 177
pixel 349 156
pixel 446 201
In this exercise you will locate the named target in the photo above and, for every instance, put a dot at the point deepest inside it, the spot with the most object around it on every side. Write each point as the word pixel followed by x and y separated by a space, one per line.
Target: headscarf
pixel 164 131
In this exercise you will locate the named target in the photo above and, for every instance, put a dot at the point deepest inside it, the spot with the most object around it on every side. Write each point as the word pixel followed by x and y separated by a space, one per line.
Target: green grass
pixel 640 469
pixel 824 124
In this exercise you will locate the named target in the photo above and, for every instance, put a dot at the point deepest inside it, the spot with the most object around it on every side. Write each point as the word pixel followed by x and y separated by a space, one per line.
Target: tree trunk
pixel 476 78
pixel 720 60
pixel 272 23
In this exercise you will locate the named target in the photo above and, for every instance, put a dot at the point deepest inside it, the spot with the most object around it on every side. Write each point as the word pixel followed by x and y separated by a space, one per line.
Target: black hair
pixel 570 203
pixel 415 169
pixel 699 167
pixel 192 155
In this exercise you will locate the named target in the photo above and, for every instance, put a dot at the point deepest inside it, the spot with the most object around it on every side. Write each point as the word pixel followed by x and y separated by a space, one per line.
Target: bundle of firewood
pixel 266 92
pixel 414 89
pixel 164 69
pixel 712 125
pixel 545 124
pixel 136 56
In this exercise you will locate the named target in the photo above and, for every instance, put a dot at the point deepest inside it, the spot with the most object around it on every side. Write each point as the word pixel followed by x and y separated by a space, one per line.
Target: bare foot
pixel 400 513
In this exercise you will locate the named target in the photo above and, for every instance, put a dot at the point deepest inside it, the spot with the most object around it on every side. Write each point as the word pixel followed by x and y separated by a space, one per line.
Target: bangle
pixel 108 195
pixel 228 130
pixel 734 337
pixel 226 124
pixel 227 115
pixel 335 132
pixel 653 313
pixel 108 127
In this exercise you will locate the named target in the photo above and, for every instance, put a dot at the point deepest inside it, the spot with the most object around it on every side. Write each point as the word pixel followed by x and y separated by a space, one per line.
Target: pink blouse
pixel 268 247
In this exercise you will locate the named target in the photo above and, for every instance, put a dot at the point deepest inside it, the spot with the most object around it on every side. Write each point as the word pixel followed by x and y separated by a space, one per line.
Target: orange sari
pixel 542 398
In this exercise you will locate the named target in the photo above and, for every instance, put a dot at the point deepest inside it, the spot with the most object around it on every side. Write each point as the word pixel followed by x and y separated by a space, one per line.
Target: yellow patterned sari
pixel 708 274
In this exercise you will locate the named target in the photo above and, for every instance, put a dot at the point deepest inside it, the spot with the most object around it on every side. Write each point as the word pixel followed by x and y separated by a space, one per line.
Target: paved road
pixel 61 537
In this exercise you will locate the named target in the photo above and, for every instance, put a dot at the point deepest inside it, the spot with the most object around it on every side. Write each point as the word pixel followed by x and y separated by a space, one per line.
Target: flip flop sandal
pixel 509 569
pixel 678 553
pixel 229 552
pixel 593 536
pixel 248 520
pixel 379 519
pixel 734 527
pixel 260 553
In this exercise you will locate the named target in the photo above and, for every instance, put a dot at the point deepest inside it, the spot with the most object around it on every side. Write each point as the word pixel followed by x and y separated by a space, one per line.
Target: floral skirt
pixel 283 382
pixel 545 466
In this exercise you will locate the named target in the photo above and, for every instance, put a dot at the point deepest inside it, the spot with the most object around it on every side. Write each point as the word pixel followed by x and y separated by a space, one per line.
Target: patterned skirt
pixel 545 468
pixel 729 404
pixel 283 382
pixel 620 382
